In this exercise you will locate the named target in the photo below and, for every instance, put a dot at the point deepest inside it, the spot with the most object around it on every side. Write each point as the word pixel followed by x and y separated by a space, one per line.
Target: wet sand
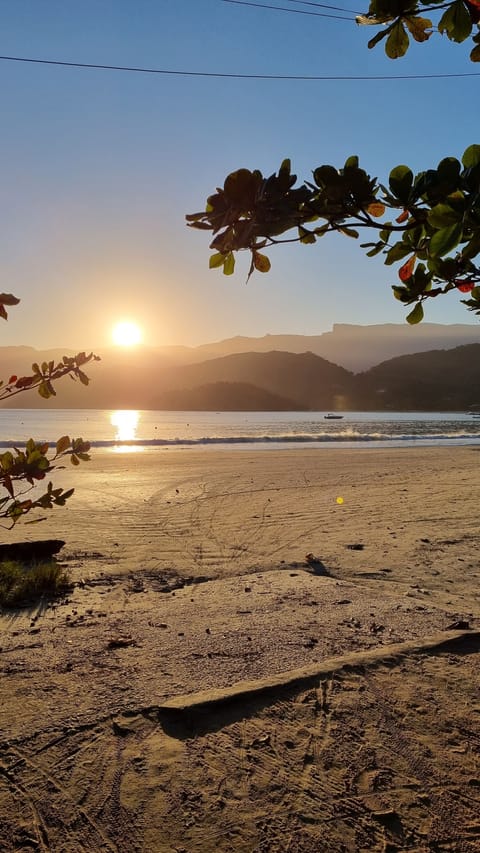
pixel 200 574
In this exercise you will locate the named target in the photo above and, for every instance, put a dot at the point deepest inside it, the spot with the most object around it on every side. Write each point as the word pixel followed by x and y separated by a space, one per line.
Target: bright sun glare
pixel 126 334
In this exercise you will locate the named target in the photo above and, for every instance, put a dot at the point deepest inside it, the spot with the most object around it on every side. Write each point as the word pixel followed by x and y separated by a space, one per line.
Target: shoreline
pixel 237 430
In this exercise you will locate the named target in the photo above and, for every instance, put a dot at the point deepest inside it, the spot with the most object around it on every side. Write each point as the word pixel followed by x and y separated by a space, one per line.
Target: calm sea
pixel 107 428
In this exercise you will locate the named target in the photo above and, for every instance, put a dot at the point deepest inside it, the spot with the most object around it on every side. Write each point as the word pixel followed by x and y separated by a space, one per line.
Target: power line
pixel 321 6
pixel 291 11
pixel 217 74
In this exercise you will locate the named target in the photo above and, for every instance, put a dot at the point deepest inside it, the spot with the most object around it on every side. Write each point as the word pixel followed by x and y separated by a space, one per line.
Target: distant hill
pixel 442 380
pixel 225 397
pixel 306 379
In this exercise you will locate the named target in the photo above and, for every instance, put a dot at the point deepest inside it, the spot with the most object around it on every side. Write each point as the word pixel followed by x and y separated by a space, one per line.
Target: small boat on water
pixel 332 417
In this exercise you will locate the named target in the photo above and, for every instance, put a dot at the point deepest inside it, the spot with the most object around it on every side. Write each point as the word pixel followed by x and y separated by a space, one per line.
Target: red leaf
pixel 406 271
pixel 376 208
pixel 403 216
pixel 464 286
pixel 24 381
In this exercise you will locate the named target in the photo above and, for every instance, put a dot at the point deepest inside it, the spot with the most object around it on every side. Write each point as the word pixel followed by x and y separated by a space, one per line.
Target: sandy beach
pixel 263 651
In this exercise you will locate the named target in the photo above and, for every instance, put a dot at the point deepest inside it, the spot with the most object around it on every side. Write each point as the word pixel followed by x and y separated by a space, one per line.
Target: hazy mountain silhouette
pixel 305 379
pixel 441 379
pixel 354 347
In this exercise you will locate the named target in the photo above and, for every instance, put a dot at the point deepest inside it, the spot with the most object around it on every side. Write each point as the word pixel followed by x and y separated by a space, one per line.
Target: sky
pixel 100 167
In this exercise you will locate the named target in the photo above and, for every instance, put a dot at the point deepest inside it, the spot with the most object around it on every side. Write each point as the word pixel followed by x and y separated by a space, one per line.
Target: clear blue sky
pixel 100 167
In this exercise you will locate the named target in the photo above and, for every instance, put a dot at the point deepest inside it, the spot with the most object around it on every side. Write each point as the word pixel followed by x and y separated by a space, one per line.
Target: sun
pixel 126 334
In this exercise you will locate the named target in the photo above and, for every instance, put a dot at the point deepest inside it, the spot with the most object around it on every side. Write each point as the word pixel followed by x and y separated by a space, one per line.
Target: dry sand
pixel 205 687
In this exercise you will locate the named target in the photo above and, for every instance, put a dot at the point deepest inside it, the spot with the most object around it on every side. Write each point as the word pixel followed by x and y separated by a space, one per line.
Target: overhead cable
pixel 292 11
pixel 322 6
pixel 216 74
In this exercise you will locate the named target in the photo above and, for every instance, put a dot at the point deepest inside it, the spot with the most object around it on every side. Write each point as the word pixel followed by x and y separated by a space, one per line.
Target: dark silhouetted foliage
pixel 21 470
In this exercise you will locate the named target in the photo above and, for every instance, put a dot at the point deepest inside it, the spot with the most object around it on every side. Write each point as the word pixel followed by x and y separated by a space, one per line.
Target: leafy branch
pixel 43 376
pixel 21 471
pixel 401 19
pixel 430 221
pixel 32 465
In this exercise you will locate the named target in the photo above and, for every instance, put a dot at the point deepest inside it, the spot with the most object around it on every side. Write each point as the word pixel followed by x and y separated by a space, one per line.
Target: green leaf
pixel 401 293
pixel 472 248
pixel 397 252
pixel 63 444
pixel 415 316
pixel 445 268
pixel 44 390
pixel 6 460
pixel 397 42
pixel 400 182
pixel 445 240
pixel 229 264
pixel 351 162
pixel 471 156
pixel 442 216
pixel 306 236
pixel 239 186
pixel 216 260
pixel 325 175
pixel 456 22
pixel 376 250
pixel 449 169
pixel 348 232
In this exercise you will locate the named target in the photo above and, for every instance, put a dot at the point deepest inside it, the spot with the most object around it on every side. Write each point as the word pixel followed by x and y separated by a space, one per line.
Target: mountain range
pixel 211 377
pixel 354 347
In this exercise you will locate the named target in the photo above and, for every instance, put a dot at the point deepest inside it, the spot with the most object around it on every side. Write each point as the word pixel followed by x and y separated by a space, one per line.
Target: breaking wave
pixel 349 437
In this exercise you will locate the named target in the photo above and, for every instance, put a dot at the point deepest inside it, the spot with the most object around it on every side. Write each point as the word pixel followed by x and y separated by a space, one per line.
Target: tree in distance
pixel 22 470
pixel 429 221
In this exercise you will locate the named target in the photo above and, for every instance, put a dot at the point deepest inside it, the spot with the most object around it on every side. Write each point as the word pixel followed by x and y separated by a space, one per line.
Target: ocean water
pixel 142 429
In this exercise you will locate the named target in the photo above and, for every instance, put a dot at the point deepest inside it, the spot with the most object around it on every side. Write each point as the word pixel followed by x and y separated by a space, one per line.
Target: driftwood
pixel 29 552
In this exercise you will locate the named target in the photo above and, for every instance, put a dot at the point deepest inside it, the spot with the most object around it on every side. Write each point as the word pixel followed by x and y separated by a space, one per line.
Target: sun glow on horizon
pixel 126 334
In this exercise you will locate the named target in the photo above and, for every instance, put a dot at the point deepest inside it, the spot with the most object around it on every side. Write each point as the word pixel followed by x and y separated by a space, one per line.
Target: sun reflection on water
pixel 125 422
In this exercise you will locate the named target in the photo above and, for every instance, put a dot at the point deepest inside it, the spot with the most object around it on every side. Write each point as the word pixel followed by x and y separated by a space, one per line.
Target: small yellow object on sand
pixel 339 500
